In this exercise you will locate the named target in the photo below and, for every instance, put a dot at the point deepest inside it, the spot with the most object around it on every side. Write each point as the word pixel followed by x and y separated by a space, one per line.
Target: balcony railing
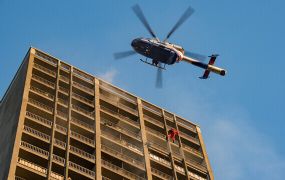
pixel 59 143
pixel 46 58
pixel 19 178
pixel 122 142
pixel 41 105
pixel 157 146
pixel 34 148
pixel 83 87
pixel 32 166
pixel 121 129
pixel 189 137
pixel 44 93
pixel 62 114
pixel 63 78
pixel 62 101
pixel 43 80
pixel 64 67
pixel 90 114
pixel 118 115
pixel 44 69
pixel 157 112
pixel 193 175
pixel 61 128
pixel 119 95
pixel 63 89
pixel 156 132
pixel 81 169
pixel 161 174
pixel 38 118
pixel 192 150
pixel 56 176
pixel 186 125
pixel 116 103
pixel 161 160
pixel 105 178
pixel 82 138
pixel 83 99
pixel 83 76
pixel 58 159
pixel 37 133
pixel 123 156
pixel 155 121
pixel 121 170
pixel 81 152
pixel 79 122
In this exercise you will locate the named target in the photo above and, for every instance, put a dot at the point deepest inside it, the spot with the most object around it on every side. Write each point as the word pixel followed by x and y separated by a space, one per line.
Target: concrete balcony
pixel 118 104
pixel 41 105
pixel 153 121
pixel 64 79
pixel 81 170
pixel 195 176
pixel 60 144
pixel 131 134
pixel 43 81
pixel 160 160
pixel 61 129
pixel 63 102
pixel 44 70
pixel 122 142
pixel 84 88
pixel 46 58
pixel 62 115
pixel 42 93
pixel 82 153
pixel 34 149
pixel 82 138
pixel 83 111
pixel 58 160
pixel 38 119
pixel 37 134
pixel 19 178
pixel 30 166
pixel 156 133
pixel 83 99
pixel 123 172
pixel 160 174
pixel 85 77
pixel 158 147
pixel 56 176
pixel 189 138
pixel 187 126
pixel 63 90
pixel 193 151
pixel 82 124
pixel 120 117
pixel 123 157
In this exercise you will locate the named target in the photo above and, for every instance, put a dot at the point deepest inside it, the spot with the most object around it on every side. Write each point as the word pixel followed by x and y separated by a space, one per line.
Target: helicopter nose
pixel 134 43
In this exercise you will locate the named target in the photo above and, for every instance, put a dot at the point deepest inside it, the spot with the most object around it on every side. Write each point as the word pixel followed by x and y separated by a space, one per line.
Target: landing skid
pixel 158 66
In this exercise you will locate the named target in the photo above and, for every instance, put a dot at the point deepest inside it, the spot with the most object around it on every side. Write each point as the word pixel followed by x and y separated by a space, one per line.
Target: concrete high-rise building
pixel 58 122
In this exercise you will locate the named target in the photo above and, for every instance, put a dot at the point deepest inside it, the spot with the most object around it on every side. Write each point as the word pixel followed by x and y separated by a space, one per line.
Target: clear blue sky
pixel 241 115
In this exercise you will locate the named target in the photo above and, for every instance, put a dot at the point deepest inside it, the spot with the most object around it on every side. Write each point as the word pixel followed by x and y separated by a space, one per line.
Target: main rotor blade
pixel 158 83
pixel 189 11
pixel 120 55
pixel 196 56
pixel 140 15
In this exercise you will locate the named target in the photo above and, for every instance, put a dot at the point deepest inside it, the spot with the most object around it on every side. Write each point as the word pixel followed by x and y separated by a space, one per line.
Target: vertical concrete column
pixel 97 129
pixel 169 147
pixel 211 175
pixel 30 59
pixel 144 140
pixel 68 123
pixel 53 123
pixel 181 149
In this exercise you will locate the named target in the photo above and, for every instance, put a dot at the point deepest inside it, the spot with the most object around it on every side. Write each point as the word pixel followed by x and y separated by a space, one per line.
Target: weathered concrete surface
pixel 9 116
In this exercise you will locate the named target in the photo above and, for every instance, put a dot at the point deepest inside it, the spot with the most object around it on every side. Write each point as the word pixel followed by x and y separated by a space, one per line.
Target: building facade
pixel 58 122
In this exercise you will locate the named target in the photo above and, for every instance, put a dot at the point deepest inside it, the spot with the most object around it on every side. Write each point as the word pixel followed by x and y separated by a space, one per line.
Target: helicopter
pixel 164 53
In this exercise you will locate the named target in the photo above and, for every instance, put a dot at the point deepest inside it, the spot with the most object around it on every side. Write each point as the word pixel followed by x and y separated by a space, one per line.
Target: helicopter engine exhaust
pixel 208 67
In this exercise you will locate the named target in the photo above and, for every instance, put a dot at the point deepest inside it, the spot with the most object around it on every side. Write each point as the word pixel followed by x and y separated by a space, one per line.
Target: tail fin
pixel 211 62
